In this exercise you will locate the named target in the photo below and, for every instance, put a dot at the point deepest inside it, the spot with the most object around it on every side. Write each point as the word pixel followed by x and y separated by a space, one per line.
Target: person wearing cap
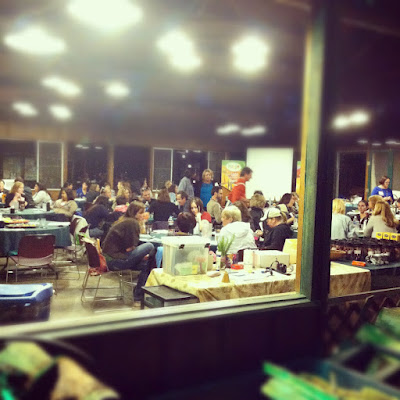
pixel 232 225
pixel 239 191
pixel 278 231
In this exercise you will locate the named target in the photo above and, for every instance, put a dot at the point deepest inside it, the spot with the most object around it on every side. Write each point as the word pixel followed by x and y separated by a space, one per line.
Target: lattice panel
pixel 343 320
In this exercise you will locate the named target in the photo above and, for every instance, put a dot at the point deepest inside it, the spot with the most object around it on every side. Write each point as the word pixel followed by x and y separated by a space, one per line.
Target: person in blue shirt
pixel 383 189
pixel 82 191
pixel 206 186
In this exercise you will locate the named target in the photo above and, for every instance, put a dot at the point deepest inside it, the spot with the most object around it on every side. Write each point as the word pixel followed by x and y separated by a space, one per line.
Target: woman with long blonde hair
pixel 382 220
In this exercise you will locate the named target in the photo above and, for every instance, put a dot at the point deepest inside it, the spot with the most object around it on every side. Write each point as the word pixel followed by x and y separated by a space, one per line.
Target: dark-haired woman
pixel 122 251
pixel 383 189
pixel 66 205
pixel 96 216
pixel 286 204
pixel 83 190
pixel 41 197
pixel 363 216
pixel 162 207
pixel 203 218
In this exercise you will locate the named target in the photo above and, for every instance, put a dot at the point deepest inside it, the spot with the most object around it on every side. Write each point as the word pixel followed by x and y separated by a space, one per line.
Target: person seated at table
pixel 186 222
pixel 27 193
pixel 257 204
pixel 372 200
pixel 83 190
pixel 65 206
pixel 383 189
pixel 286 204
pixel 203 218
pixel 246 217
pixel 3 191
pixel 122 251
pixel 381 220
pixel 183 201
pixel 16 196
pixel 127 193
pixel 96 216
pixel 362 218
pixel 172 190
pixel 93 192
pixel 67 185
pixel 162 207
pixel 278 232
pixel 214 206
pixel 232 225
pixel 41 196
pixel 147 198
pixel 397 209
pixel 107 187
pixel 342 226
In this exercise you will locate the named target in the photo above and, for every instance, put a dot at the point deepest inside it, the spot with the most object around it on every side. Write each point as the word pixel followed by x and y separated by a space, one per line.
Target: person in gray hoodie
pixel 232 225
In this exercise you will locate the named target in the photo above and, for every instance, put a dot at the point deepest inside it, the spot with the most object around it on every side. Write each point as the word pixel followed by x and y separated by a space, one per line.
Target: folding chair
pixel 94 262
pixel 34 251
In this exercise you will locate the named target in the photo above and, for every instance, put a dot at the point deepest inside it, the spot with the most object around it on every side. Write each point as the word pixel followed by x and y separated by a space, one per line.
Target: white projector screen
pixel 272 171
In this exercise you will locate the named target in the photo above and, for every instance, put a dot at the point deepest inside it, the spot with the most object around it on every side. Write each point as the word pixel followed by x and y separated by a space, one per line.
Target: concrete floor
pixel 66 302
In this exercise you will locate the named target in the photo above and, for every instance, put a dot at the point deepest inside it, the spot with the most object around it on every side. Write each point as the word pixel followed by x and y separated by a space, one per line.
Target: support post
pixel 317 154
pixel 110 164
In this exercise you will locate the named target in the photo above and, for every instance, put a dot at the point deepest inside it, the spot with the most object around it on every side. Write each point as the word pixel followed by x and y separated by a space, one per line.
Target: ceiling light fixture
pixel 117 89
pixel 35 40
pixel 180 51
pixel 60 112
pixel 359 117
pixel 98 147
pixel 362 141
pixel 109 16
pixel 376 144
pixel 257 130
pixel 25 109
pixel 63 86
pixel 250 54
pixel 228 129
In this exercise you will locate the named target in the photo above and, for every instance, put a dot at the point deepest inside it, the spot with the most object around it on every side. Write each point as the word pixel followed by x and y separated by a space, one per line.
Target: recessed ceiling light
pixel 359 117
pixel 228 129
pixel 106 15
pixel 180 51
pixel 63 86
pixel 117 89
pixel 79 146
pixel 362 141
pixel 189 165
pixel 35 40
pixel 60 112
pixel 98 147
pixel 341 122
pixel 250 54
pixel 257 130
pixel 390 142
pixel 25 109
pixel 376 144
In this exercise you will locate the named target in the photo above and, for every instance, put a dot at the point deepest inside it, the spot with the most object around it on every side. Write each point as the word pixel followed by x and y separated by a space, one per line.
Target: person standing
pixel 214 205
pixel 383 189
pixel 206 186
pixel 238 193
pixel 185 185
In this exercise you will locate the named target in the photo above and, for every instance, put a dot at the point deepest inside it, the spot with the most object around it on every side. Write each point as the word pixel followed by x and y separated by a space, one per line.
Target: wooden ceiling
pixel 168 106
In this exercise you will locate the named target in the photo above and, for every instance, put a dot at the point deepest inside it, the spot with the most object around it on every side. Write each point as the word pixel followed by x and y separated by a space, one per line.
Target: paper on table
pixel 55 223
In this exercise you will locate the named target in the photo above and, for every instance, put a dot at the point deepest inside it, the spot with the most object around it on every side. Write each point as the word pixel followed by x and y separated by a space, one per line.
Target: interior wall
pixel 273 171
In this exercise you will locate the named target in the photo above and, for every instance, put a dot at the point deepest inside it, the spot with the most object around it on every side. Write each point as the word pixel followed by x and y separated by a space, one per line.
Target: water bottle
pixel 218 256
pixel 171 228
pixel 150 222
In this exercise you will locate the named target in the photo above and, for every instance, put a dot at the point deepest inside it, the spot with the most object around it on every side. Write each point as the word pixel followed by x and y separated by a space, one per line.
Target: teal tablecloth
pixel 9 238
pixel 30 213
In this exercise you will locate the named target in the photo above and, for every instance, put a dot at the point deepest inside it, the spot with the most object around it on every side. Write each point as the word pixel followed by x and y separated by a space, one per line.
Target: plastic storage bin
pixel 185 255
pixel 25 303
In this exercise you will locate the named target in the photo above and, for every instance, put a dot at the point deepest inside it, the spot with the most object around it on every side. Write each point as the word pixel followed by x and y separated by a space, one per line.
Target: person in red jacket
pixel 238 192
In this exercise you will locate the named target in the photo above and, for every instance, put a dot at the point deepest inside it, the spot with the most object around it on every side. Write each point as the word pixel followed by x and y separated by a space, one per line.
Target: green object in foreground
pixel 389 320
pixel 374 335
pixel 224 245
pixel 285 385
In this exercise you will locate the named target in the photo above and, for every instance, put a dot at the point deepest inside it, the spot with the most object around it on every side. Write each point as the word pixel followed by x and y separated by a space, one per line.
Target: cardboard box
pixel 264 258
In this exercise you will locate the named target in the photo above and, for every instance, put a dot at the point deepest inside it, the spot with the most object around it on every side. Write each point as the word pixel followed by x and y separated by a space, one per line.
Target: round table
pixel 2 205
pixel 10 237
pixel 30 213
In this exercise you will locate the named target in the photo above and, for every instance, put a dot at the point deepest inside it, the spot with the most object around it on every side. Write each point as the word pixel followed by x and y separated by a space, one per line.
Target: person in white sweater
pixel 382 220
pixel 232 225
pixel 41 197
pixel 342 227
